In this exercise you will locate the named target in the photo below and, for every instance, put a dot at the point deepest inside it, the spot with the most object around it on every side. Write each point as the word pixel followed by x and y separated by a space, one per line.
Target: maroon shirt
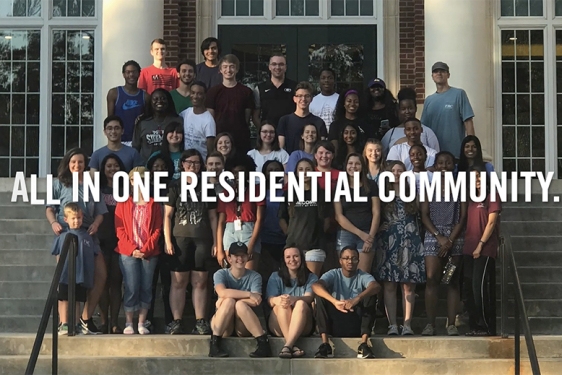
pixel 476 222
pixel 230 104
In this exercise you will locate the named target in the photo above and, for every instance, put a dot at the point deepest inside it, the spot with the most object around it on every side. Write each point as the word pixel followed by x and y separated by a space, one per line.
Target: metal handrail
pixel 69 250
pixel 508 261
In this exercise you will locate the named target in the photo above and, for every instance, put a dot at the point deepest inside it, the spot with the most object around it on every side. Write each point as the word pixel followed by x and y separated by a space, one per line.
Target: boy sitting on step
pixel 239 291
pixel 86 251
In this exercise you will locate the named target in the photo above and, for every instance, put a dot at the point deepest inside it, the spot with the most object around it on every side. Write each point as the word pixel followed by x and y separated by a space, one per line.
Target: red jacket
pixel 124 228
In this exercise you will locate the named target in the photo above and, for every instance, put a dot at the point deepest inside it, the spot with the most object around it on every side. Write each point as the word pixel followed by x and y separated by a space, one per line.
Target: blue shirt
pixel 87 249
pixel 271 232
pixel 445 113
pixel 343 288
pixel 128 155
pixel 128 108
pixel 294 159
pixel 276 287
pixel 249 282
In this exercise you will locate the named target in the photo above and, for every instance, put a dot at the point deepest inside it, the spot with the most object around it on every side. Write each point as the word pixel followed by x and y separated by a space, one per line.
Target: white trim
pixel 98 95
pixel 497 92
pixel 380 56
pixel 550 138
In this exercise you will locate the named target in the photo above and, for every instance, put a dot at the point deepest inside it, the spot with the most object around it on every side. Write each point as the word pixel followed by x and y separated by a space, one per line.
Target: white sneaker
pixel 142 329
pixel 407 331
pixel 393 330
pixel 429 330
pixel 129 330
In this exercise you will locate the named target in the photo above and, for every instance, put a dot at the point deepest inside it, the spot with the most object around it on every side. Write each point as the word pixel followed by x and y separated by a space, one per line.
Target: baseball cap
pixel 238 248
pixel 440 65
pixel 377 82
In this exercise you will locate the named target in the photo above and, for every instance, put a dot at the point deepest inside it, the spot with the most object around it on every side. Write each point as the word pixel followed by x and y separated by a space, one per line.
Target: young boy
pixel 413 130
pixel 87 249
pixel 239 291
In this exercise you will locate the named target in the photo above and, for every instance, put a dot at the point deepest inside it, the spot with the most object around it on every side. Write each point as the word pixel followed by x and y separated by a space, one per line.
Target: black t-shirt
pixel 275 102
pixel 360 214
pixel 375 117
pixel 337 127
pixel 209 76
pixel 306 225
pixel 191 218
pixel 291 126
pixel 106 230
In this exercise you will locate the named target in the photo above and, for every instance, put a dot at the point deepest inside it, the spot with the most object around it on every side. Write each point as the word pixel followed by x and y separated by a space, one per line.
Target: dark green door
pixel 350 50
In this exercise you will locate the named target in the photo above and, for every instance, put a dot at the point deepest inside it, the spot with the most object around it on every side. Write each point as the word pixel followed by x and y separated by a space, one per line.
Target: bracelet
pixel 451 241
pixel 482 242
pixel 52 222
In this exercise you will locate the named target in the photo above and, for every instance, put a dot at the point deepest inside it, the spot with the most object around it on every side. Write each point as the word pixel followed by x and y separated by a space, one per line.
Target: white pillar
pixel 460 33
pixel 128 27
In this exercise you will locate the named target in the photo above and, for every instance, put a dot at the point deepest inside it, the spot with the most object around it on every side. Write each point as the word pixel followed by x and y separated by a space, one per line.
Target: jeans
pixel 230 236
pixel 333 322
pixel 137 278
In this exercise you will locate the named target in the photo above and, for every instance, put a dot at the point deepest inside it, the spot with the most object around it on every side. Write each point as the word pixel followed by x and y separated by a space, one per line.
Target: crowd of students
pixel 311 265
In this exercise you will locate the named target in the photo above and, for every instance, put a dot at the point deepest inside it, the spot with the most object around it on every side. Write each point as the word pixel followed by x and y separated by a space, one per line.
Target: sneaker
pixel 63 329
pixel 148 325
pixel 429 330
pixel 174 328
pixel 452 330
pixel 143 330
pixel 201 328
pixel 129 330
pixel 393 330
pixel 215 349
pixel 263 349
pixel 324 351
pixel 407 331
pixel 88 327
pixel 364 351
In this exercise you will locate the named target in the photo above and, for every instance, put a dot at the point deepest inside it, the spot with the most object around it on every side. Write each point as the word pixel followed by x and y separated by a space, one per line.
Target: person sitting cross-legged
pixel 239 291
pixel 345 304
pixel 289 294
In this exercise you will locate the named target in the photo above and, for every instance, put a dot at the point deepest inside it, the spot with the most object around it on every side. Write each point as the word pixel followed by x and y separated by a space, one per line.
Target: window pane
pixel 338 7
pixel 256 7
pixel 242 7
pixel 297 7
pixel 351 7
pixel 227 7
pixel 345 59
pixel 312 8
pixel 537 45
pixel 74 8
pixel 366 7
pixel 535 7
pixel 558 7
pixel 20 8
pixel 521 7
pixel 508 141
pixel 507 9
pixel 537 137
pixel 282 7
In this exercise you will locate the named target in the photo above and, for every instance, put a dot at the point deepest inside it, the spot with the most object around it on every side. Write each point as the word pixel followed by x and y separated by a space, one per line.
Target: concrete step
pixel 20 211
pixel 25 226
pixel 27 289
pixel 540 273
pixel 272 366
pixel 26 241
pixel 532 228
pixel 26 257
pixel 537 258
pixel 27 273
pixel 537 291
pixel 547 213
pixel 535 242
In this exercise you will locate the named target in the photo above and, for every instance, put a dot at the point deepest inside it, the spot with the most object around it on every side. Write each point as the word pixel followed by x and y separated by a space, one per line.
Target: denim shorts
pixel 346 238
pixel 244 236
pixel 314 255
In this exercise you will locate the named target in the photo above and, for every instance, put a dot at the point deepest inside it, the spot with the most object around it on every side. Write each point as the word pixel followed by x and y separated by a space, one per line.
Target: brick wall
pixel 179 29
pixel 412 41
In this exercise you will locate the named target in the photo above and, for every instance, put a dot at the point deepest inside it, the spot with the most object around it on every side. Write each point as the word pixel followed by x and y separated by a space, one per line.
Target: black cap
pixel 238 248
pixel 440 65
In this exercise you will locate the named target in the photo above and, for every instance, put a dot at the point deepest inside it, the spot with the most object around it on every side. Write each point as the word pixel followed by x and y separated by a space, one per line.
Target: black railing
pixel 69 251
pixel 508 262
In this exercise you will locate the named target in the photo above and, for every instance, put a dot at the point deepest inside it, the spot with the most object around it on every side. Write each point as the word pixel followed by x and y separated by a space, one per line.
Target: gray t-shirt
pixel 276 287
pixel 249 282
pixel 342 287
pixel 445 113
pixel 148 135
pixel 128 155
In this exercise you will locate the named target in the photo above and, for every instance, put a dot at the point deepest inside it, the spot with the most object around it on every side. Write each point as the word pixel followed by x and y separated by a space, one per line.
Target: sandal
pixel 285 352
pixel 297 352
pixel 116 330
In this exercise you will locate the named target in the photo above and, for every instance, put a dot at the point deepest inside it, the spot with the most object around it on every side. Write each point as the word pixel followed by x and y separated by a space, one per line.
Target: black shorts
pixel 80 292
pixel 190 254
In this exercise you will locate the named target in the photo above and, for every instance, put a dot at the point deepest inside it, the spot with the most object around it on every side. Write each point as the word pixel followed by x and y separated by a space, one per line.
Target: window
pixel 74 8
pixel 242 7
pixel 352 8
pixel 521 8
pixel 19 101
pixel 345 59
pixel 73 92
pixel 297 7
pixel 559 100
pixel 20 8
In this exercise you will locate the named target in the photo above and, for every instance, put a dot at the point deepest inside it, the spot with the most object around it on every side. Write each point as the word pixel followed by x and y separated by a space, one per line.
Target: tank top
pixel 129 107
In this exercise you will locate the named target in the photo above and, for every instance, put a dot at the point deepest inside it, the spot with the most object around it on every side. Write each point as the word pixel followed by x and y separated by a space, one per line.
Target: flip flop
pixel 285 352
pixel 297 352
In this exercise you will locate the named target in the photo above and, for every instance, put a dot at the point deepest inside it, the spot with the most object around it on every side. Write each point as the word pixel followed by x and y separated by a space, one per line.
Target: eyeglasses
pixel 353 259
pixel 268 131
pixel 191 162
pixel 275 65
pixel 303 96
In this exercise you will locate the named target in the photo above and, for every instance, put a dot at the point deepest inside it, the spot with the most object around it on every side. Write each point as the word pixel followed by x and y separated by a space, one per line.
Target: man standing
pixel 274 98
pixel 158 75
pixel 324 104
pixel 291 125
pixel 231 104
pixel 181 95
pixel 113 130
pixel 345 304
pixel 208 71
pixel 128 101
pixel 448 112
pixel 199 129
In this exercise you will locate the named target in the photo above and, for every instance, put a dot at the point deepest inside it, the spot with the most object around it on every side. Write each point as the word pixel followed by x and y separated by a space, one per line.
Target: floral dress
pixel 399 251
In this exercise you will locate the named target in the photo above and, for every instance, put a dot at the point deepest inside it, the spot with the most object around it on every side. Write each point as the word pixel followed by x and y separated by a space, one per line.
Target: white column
pixel 460 33
pixel 128 27
pixel 205 25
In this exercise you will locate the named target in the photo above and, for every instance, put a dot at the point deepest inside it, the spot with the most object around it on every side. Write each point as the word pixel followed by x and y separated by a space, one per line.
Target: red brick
pixel 412 43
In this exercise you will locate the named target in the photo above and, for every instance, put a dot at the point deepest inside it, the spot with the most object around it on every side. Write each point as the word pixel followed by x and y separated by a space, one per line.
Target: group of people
pixel 308 265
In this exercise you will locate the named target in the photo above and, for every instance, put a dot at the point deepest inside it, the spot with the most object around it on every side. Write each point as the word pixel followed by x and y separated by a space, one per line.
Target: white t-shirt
pixel 428 138
pixel 402 152
pixel 324 107
pixel 281 156
pixel 196 130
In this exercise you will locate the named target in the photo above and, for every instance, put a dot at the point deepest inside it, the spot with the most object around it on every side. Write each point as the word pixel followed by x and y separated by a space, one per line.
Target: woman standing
pixel 372 154
pixel 471 154
pixel 309 137
pixel 74 162
pixel 444 223
pixel 189 246
pixel 480 249
pixel 359 221
pixel 399 254
pixel 267 147
pixel 139 226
